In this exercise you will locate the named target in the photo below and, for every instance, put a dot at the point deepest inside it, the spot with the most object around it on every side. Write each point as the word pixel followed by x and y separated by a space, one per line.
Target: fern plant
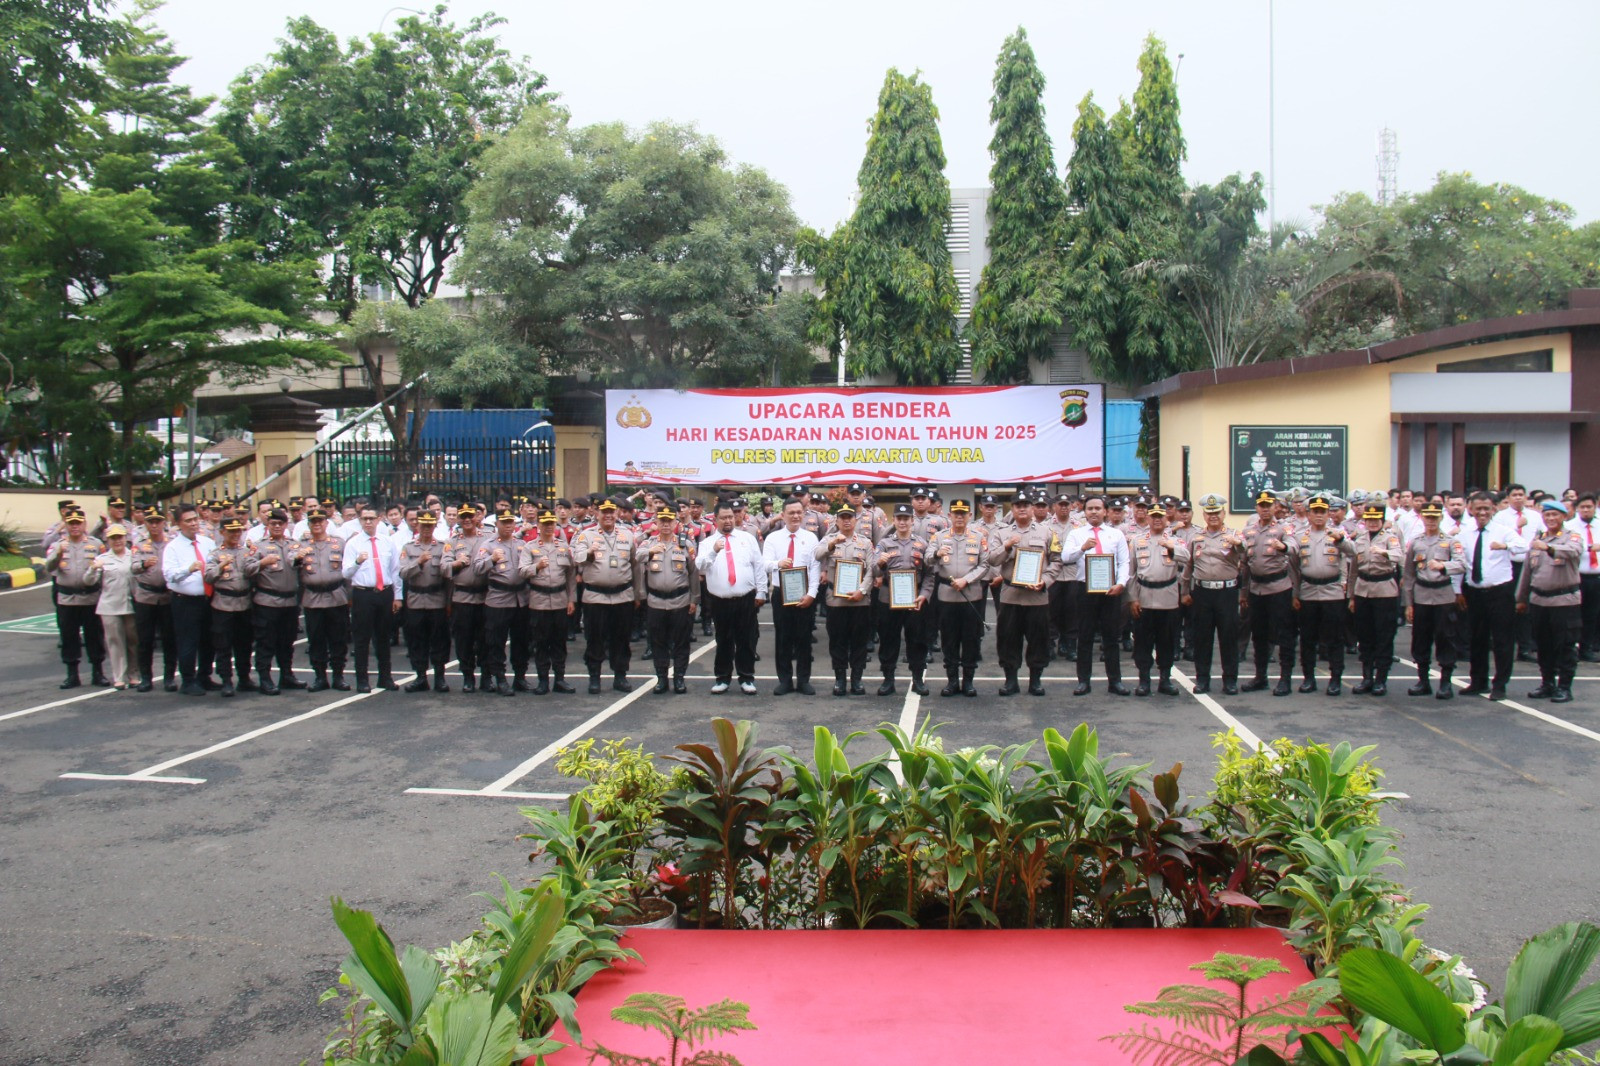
pixel 1221 1024
pixel 683 1028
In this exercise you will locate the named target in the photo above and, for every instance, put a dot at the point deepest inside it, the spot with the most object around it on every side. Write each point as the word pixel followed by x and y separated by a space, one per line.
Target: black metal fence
pixel 460 468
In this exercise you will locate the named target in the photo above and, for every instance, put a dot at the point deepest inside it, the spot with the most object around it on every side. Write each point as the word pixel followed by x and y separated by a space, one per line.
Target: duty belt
pixel 275 593
pixel 1228 584
pixel 1552 593
pixel 425 588
pixel 332 586
pixel 1387 576
pixel 505 587
pixel 1441 583
pixel 666 594
pixel 1268 577
pixel 549 588
pixel 231 592
pixel 606 589
pixel 157 589
pixel 1157 584
pixel 1308 579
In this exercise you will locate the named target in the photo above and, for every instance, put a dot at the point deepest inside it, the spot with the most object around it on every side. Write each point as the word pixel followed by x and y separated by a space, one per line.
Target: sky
pixel 1508 93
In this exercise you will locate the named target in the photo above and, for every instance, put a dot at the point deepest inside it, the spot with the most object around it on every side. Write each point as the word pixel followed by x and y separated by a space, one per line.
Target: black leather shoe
pixel 594 684
pixel 1543 692
pixel 1082 689
pixel 362 686
pixel 918 686
pixel 951 688
pixel 560 685
pixel 1380 688
pixel 489 686
pixel 783 689
pixel 1421 688
pixel 388 683
pixel 1447 691
pixel 620 683
pixel 170 684
pixel 1362 687
pixel 1255 684
pixel 857 688
pixel 318 684
pixel 1335 687
pixel 1497 694
pixel 1527 657
pixel 144 686
pixel 678 687
pixel 1475 690
pixel 244 684
pixel 661 688
pixel 1202 687
pixel 969 690
pixel 1282 687
pixel 468 684
pixel 1308 685
pixel 440 684
pixel 887 688
pixel 805 689
pixel 521 685
pixel 507 688
pixel 290 681
pixel 1561 695
pixel 339 684
pixel 194 688
pixel 542 688
pixel 1010 688
pixel 1142 688
pixel 227 689
pixel 1168 687
pixel 419 684
pixel 267 688
pixel 840 687
pixel 1117 688
pixel 1230 688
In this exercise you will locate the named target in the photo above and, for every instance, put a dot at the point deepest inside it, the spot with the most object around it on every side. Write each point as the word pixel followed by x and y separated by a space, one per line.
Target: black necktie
pixel 1477 557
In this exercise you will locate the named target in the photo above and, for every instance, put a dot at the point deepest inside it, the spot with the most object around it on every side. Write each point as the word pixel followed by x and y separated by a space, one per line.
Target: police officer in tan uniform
pixel 1549 591
pixel 277 605
pixel 70 561
pixel 901 550
pixel 425 569
pixel 230 570
pixel 325 595
pixel 1431 585
pixel 468 590
pixel 957 576
pixel 1266 573
pixel 1317 561
pixel 604 557
pixel 1216 556
pixel 849 617
pixel 504 607
pixel 666 586
pixel 1159 581
pixel 1374 590
pixel 152 605
pixel 552 600
pixel 1024 616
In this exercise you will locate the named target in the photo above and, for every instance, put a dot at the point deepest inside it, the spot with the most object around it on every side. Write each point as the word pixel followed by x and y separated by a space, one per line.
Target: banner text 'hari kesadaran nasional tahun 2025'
pixel 885 436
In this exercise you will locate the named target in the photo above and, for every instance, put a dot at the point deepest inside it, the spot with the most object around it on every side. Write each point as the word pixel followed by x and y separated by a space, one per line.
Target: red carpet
pixel 916 996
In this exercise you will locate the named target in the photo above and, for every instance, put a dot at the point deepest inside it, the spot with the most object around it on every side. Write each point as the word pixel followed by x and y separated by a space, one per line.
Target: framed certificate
pixel 1099 572
pixel 902 589
pixel 793 581
pixel 1029 569
pixel 846 577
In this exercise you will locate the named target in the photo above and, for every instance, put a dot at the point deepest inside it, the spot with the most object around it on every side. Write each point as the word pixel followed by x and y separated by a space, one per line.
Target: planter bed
pixel 918 996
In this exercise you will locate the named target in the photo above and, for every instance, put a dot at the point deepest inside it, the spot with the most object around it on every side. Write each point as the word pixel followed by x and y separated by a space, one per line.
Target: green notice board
pixel 1280 458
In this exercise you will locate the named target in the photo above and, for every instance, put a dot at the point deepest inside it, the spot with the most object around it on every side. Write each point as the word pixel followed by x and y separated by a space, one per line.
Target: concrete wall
pixel 32 511
pixel 1360 397
pixel 579 442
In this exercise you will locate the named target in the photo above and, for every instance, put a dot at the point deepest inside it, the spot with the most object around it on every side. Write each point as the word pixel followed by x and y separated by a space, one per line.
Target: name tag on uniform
pixel 615 562
pixel 655 566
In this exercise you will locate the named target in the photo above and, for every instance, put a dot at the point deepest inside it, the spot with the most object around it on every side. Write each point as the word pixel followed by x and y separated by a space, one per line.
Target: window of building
pixel 1539 362
pixel 1488 466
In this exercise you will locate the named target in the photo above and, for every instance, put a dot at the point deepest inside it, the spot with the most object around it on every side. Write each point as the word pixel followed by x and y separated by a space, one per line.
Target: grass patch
pixel 14 562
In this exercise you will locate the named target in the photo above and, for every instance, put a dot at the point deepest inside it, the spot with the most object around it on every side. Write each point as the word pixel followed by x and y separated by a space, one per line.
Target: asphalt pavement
pixel 167 900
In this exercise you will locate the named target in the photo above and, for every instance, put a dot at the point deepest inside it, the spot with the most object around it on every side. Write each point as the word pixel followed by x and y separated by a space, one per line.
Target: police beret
pixel 1553 504
pixel 278 514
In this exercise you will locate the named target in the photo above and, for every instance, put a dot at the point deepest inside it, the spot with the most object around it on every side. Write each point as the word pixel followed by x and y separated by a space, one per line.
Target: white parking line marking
pixel 546 753
pixel 1571 727
pixel 1244 732
pixel 554 796
pixel 58 703
pixel 151 773
pixel 36 586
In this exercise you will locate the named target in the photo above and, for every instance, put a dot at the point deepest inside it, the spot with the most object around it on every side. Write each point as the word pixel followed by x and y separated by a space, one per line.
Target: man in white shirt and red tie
pixel 372 564
pixel 793 547
pixel 1587 527
pixel 1099 613
pixel 736 586
pixel 1491 547
pixel 183 566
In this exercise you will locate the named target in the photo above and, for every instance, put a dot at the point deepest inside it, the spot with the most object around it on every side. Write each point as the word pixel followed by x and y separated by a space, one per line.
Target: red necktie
pixel 791 549
pixel 1097 546
pixel 727 551
pixel 201 559
pixel 377 567
pixel 1588 534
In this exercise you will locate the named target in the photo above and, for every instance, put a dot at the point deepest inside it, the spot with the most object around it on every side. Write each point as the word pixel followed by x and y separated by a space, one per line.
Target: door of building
pixel 1488 466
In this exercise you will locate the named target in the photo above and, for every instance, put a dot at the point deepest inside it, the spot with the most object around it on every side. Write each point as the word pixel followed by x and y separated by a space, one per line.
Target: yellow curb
pixel 22 577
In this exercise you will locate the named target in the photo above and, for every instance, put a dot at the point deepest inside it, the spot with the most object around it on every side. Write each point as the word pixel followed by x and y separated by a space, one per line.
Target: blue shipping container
pixel 488 424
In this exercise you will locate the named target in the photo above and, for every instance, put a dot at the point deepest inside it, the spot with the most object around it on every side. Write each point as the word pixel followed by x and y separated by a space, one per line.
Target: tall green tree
pixel 1016 309
pixel 50 83
pixel 1125 190
pixel 645 256
pixel 890 292
pixel 127 293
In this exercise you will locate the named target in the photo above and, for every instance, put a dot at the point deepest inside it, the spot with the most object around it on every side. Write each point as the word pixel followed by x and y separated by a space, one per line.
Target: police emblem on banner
pixel 633 415
pixel 1074 408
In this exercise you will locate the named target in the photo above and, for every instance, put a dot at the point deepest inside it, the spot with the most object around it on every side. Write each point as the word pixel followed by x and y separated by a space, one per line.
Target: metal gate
pixel 455 469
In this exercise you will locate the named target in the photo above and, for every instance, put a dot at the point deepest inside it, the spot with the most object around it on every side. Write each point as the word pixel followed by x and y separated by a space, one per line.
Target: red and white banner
pixel 901 436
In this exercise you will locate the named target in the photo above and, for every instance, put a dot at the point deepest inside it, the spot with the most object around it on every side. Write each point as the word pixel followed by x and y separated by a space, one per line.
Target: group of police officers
pixel 507 587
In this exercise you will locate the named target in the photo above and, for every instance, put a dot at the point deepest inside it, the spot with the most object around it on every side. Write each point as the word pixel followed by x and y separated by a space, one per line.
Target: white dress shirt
pixel 1588 534
pixel 378 549
pixel 256 533
pixel 1082 541
pixel 750 568
pixel 1496 562
pixel 1509 519
pixel 175 564
pixel 1408 524
pixel 776 552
